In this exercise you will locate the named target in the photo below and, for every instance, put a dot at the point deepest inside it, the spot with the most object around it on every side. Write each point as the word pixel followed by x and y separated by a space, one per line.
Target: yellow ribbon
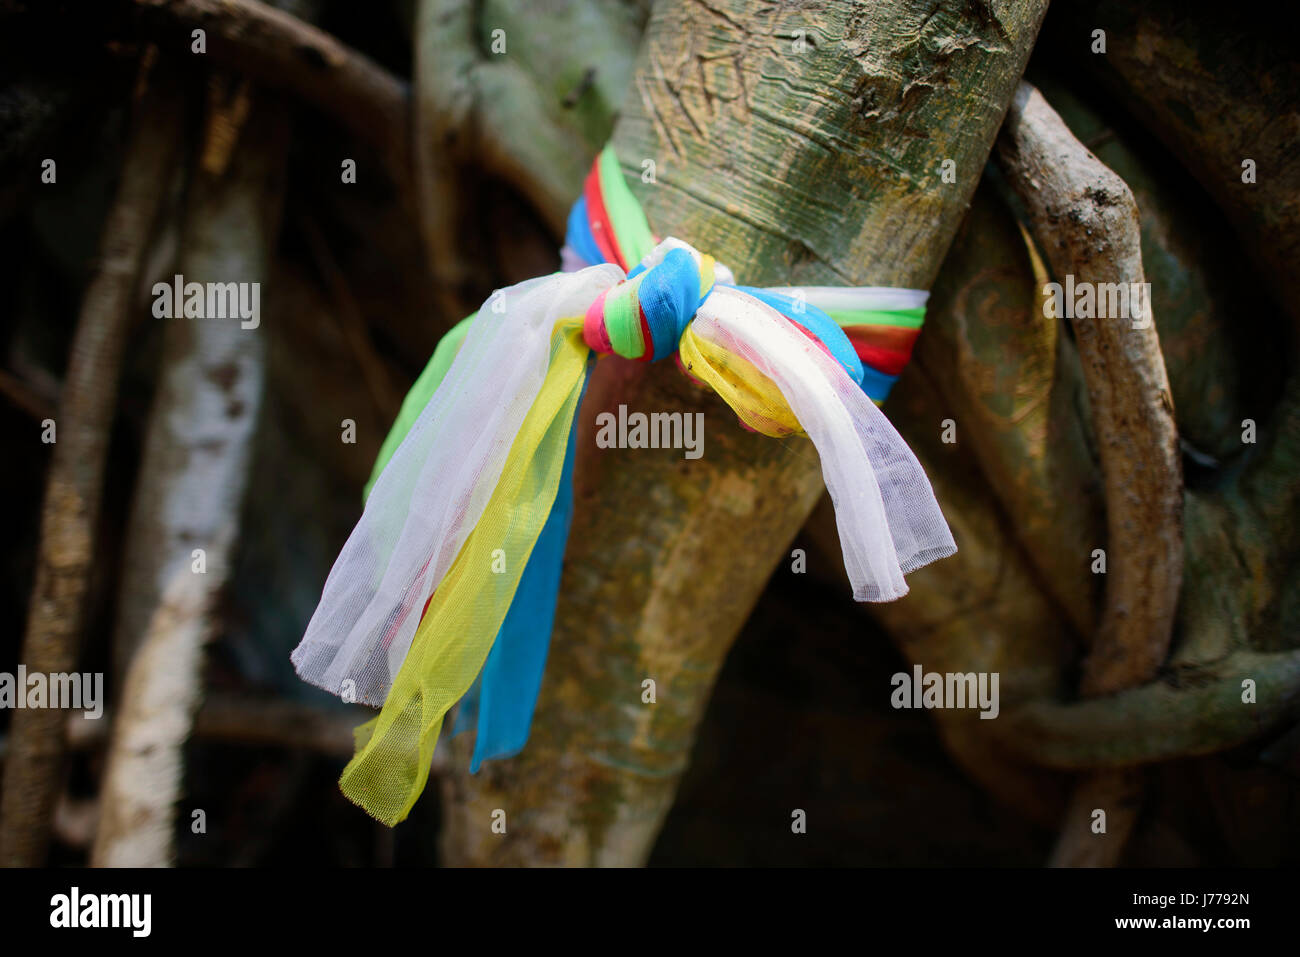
pixel 391 765
pixel 754 397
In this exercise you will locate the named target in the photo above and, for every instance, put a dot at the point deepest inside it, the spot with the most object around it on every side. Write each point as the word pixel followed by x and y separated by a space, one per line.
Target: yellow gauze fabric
pixel 754 397
pixel 391 764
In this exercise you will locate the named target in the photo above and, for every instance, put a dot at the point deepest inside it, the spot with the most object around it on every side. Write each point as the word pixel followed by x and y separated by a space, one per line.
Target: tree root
pixel 1085 219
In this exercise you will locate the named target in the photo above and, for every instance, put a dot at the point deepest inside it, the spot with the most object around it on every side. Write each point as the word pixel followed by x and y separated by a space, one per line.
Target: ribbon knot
pixel 446 589
pixel 645 316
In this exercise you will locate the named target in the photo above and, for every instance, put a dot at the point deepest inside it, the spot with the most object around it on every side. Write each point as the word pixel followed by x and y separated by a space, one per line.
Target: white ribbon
pixel 433 491
pixel 889 521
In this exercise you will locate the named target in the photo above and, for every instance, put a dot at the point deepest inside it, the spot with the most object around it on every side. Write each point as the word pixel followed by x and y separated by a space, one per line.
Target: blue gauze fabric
pixel 502 699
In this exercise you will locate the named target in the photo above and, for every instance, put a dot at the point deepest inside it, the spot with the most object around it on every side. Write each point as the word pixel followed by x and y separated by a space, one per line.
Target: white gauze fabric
pixel 835 298
pixel 888 519
pixel 434 489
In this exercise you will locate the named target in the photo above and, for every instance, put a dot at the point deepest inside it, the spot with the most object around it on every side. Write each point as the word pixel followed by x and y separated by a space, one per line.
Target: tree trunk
pixel 798 146
pixel 188 500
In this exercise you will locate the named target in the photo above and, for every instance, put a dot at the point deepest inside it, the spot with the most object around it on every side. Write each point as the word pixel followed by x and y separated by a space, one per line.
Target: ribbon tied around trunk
pixel 446 589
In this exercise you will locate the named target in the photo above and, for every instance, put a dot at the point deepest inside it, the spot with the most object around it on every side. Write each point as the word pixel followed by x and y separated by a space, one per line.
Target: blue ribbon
pixel 503 698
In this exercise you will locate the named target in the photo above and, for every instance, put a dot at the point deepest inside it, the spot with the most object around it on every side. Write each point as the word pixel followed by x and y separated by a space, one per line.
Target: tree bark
pixel 191 487
pixel 799 145
pixel 1085 219
pixel 486 82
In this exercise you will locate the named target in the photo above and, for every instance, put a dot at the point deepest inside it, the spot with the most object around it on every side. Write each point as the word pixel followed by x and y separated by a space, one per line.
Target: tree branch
pixel 1119 795
pixel 1085 219
pixel 255 721
pixel 73 491
pixel 26 396
pixel 189 496
pixel 280 51
pixel 510 113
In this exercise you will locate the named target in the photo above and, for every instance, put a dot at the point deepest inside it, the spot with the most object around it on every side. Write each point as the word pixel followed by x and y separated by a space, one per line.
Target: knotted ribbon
pixel 446 589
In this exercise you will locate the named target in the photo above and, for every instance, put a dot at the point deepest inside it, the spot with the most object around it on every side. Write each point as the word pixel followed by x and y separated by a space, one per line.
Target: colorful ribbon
pixel 446 590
